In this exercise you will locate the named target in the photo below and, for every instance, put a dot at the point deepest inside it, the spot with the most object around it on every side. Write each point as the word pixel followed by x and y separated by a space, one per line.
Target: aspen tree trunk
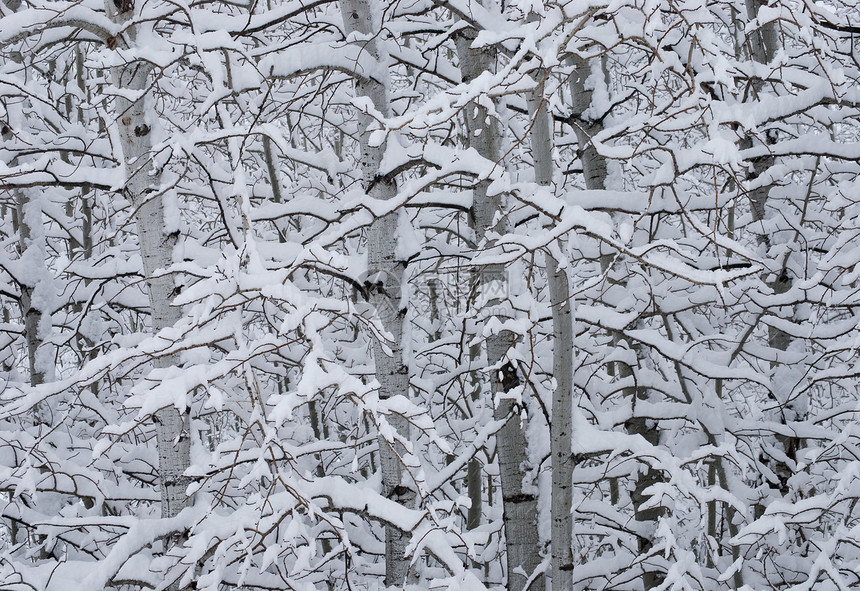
pixel 36 299
pixel 562 366
pixel 519 506
pixel 34 286
pixel 156 250
pixel 522 542
pixel 763 45
pixel 485 138
pixel 386 273
pixel 594 172
pixel 87 200
pixel 483 135
pixel 762 48
pixel 32 316
pixel 593 164
pixel 31 311
pixel 31 249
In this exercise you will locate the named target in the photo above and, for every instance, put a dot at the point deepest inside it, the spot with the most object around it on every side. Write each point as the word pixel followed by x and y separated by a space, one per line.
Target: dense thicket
pixel 455 294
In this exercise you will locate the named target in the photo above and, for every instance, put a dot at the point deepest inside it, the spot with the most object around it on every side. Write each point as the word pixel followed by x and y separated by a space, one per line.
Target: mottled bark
pixel 519 505
pixel 763 45
pixel 483 135
pixel 34 284
pixel 562 365
pixel 595 173
pixel 385 273
pixel 156 251
pixel 32 312
pixel 585 128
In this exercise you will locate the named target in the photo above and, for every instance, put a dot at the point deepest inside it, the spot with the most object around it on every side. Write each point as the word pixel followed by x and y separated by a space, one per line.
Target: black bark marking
pixel 124 5
pixel 519 498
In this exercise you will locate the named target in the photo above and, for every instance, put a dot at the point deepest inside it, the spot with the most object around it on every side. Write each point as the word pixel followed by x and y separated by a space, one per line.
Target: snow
pixel 714 405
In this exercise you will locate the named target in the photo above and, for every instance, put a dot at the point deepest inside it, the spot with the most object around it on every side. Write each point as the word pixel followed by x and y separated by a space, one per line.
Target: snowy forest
pixel 441 295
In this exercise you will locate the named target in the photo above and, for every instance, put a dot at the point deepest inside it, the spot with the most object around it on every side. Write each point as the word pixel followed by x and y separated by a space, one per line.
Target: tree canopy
pixel 442 294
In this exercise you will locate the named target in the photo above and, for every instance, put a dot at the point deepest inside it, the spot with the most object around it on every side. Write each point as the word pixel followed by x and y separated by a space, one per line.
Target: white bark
pixel 32 312
pixel 595 171
pixel 763 45
pixel 561 427
pixel 593 164
pixel 33 301
pixel 32 252
pixel 519 507
pixel 483 135
pixel 156 250
pixel 384 293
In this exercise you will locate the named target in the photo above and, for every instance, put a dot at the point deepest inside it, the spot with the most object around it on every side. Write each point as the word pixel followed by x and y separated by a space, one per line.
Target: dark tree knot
pixel 124 5
pixel 509 377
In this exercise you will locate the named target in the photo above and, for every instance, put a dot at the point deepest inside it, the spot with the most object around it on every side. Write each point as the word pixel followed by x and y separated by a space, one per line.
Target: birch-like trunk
pixel 386 275
pixel 519 507
pixel 763 47
pixel 31 315
pixel 35 285
pixel 594 172
pixel 156 251
pixel 32 302
pixel 483 135
pixel 593 164
pixel 561 426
